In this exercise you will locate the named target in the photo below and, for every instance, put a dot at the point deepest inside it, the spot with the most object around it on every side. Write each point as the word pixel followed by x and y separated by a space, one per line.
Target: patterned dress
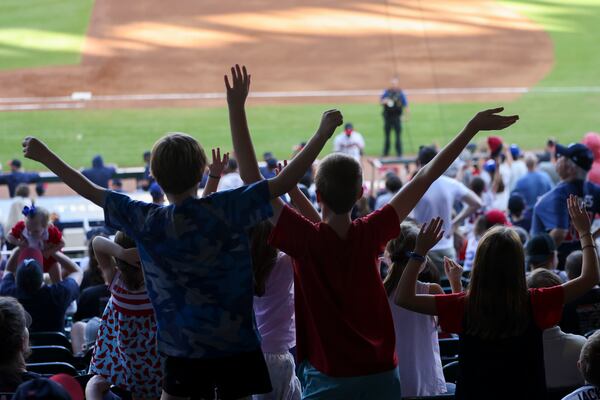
pixel 126 348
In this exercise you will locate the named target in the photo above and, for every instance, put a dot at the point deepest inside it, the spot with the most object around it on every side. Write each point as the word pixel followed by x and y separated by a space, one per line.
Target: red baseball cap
pixel 497 217
pixel 495 144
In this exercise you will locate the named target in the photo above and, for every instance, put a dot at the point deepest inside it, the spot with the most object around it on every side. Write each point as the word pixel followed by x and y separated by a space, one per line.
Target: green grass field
pixel 122 135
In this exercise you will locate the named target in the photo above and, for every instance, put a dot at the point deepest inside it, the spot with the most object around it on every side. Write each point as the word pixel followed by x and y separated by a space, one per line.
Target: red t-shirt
pixel 54 237
pixel 546 304
pixel 344 325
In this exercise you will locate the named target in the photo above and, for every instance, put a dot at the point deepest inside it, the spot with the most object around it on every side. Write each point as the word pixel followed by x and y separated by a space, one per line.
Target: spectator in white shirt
pixel 349 142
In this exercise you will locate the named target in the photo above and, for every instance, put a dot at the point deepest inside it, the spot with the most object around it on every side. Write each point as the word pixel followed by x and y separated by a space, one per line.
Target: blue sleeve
pixel 124 214
pixel 551 212
pixel 403 99
pixel 7 285
pixel 65 292
pixel 245 206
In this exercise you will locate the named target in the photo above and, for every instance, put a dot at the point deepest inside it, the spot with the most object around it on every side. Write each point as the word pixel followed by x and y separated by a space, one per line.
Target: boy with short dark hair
pixel 196 259
pixel 344 330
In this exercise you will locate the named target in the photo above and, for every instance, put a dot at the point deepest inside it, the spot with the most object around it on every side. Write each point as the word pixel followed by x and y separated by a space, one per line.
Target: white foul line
pixel 69 101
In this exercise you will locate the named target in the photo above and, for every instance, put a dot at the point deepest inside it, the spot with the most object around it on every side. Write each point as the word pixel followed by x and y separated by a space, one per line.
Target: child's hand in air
pixel 35 149
pixel 579 216
pixel 330 121
pixel 429 235
pixel 218 164
pixel 489 120
pixel 238 89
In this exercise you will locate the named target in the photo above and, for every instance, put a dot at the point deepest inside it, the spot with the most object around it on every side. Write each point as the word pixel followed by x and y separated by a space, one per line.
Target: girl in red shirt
pixel 498 320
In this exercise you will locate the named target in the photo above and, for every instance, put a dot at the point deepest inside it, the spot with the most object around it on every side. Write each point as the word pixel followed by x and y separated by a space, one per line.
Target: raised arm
pixel 106 251
pixel 70 269
pixel 237 93
pixel 590 276
pixel 300 201
pixel 454 273
pixel 407 296
pixel 36 150
pixel 291 175
pixel 13 261
pixel 473 204
pixel 215 169
pixel 406 199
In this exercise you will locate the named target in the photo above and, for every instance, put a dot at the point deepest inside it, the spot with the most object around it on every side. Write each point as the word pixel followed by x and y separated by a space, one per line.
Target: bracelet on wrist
pixel 585 234
pixel 415 256
pixel 589 245
pixel 213 176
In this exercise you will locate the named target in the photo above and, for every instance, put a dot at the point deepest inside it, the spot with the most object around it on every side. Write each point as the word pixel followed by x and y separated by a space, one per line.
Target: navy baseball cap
pixel 29 276
pixel 15 163
pixel 579 153
pixel 539 248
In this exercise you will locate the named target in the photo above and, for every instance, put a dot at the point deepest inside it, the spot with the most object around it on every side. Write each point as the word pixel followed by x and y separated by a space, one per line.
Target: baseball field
pixel 112 76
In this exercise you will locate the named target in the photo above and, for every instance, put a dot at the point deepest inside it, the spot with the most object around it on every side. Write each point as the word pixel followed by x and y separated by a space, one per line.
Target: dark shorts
pixel 223 378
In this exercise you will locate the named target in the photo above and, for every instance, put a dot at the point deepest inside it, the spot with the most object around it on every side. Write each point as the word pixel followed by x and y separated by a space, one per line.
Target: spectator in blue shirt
pixel 99 174
pixel 47 304
pixel 550 213
pixel 534 184
pixel 17 176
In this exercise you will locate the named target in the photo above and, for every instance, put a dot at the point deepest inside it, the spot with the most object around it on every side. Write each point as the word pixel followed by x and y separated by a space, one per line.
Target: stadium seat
pixel 49 339
pixel 451 372
pixel 43 354
pixel 52 368
pixel 449 350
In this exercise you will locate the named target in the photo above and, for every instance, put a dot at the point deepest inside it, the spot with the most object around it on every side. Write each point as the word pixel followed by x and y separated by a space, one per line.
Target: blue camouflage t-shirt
pixel 197 266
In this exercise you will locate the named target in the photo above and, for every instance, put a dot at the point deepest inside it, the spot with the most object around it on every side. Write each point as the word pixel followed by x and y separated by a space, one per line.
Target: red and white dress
pixel 126 349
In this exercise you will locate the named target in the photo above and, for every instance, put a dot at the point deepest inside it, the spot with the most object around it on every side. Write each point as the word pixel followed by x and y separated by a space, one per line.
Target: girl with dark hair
pixel 499 321
pixel 126 353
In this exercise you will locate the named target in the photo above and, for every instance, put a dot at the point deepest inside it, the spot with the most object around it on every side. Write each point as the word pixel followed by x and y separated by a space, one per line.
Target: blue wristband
pixel 416 256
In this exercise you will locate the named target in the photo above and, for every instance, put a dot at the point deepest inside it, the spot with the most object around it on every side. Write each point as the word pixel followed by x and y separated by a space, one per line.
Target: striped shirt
pixel 134 303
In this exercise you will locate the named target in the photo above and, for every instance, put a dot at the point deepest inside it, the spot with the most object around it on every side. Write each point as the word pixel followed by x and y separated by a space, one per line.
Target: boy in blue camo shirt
pixel 196 260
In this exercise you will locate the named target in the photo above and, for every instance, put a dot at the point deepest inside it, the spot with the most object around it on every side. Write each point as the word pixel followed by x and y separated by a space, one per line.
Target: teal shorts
pixel 381 386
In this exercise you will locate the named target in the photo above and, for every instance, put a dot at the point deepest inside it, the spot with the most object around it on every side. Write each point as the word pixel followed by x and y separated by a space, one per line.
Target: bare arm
pixel 558 235
pixel 13 261
pixel 71 269
pixel 406 199
pixel 473 203
pixel 406 295
pixel 36 150
pixel 454 273
pixel 106 251
pixel 300 201
pixel 590 276
pixel 215 169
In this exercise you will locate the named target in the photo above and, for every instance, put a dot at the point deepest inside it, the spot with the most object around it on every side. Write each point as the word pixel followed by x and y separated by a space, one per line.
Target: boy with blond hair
pixel 196 260
pixel 344 329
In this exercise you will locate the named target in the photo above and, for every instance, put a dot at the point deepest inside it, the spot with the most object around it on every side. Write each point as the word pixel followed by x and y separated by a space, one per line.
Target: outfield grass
pixel 37 33
pixel 122 135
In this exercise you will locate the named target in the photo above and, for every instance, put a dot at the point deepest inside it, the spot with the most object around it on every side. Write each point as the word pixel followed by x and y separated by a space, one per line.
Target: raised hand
pixel 454 273
pixel 35 149
pixel 489 120
pixel 579 216
pixel 330 121
pixel 280 167
pixel 429 235
pixel 218 164
pixel 238 89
